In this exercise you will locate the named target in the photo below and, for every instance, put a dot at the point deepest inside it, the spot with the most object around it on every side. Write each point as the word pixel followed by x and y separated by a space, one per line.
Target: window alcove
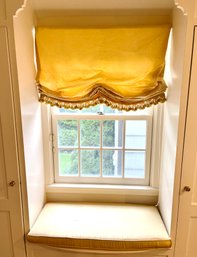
pixel 39 174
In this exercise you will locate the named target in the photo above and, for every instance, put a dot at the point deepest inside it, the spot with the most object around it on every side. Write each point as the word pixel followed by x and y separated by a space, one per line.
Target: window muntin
pixel 115 151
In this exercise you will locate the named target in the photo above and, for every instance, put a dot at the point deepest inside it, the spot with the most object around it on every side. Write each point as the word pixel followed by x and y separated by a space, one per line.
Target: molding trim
pixel 21 8
pixel 13 7
pixel 182 5
pixel 3 186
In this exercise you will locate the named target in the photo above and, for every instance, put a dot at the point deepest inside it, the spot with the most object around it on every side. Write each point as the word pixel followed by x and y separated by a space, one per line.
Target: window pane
pixel 63 110
pixel 90 133
pixel 68 162
pixel 92 109
pixel 101 108
pixel 67 133
pixel 107 109
pixel 112 133
pixel 135 135
pixel 134 164
pixel 90 163
pixel 112 163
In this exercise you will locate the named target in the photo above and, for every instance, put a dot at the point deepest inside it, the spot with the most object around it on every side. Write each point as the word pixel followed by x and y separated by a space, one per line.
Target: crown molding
pixel 21 5
pixel 13 7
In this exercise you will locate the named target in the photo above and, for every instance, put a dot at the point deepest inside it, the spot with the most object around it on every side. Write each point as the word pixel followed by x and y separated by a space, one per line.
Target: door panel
pixel 194 195
pixel 6 237
pixel 186 245
pixel 2 9
pixel 11 222
pixel 192 246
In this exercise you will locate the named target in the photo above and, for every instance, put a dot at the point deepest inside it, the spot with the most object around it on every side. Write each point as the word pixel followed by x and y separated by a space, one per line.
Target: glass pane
pixel 102 108
pixel 63 110
pixel 68 162
pixel 135 135
pixel 134 164
pixel 112 133
pixel 92 109
pixel 107 109
pixel 112 163
pixel 90 163
pixel 90 133
pixel 67 133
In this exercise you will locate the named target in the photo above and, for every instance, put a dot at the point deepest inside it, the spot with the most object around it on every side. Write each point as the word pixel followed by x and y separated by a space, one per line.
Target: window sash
pixel 102 180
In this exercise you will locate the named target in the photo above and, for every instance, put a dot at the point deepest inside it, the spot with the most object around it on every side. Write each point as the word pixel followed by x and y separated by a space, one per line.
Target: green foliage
pixel 109 133
pixel 89 137
pixel 90 162
pixel 90 133
pixel 67 133
pixel 108 167
pixel 68 162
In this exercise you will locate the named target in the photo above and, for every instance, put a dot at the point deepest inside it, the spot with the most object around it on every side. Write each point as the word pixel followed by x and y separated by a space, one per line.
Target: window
pixel 98 144
pixel 102 145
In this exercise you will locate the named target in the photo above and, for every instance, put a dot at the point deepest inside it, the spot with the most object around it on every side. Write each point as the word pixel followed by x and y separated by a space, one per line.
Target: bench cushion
pixel 113 227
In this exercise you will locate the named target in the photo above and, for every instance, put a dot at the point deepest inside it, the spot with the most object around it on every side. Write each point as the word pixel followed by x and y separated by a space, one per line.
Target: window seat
pixel 95 226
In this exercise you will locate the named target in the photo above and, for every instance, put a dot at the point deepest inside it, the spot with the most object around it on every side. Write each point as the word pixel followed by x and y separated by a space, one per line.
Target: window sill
pixel 102 193
pixel 108 227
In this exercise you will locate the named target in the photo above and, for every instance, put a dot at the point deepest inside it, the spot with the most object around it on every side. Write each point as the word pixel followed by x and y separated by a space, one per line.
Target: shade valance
pixel 121 67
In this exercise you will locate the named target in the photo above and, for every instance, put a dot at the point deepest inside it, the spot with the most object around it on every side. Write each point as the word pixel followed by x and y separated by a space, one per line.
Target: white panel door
pixel 11 225
pixel 186 243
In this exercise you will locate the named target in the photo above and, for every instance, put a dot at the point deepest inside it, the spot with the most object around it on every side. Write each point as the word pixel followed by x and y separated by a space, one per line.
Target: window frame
pixel 107 180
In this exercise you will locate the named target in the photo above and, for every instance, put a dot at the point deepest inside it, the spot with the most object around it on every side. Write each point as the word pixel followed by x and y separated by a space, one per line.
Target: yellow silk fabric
pixel 122 67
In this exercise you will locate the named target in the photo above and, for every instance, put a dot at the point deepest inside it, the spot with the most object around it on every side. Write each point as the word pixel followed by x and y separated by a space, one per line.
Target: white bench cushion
pixel 114 227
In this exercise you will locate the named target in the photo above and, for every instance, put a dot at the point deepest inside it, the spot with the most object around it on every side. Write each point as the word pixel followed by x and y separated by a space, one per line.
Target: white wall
pixel 30 111
pixel 171 116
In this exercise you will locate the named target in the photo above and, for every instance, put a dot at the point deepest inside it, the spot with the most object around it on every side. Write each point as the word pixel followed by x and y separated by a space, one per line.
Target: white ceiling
pixel 102 4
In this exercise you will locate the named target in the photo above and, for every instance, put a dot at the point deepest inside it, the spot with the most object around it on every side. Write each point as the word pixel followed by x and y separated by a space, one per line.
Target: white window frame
pixel 107 180
pixel 102 192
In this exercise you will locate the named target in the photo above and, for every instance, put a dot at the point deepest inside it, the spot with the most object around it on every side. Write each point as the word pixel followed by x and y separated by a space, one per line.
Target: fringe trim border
pixel 102 100
pixel 99 244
